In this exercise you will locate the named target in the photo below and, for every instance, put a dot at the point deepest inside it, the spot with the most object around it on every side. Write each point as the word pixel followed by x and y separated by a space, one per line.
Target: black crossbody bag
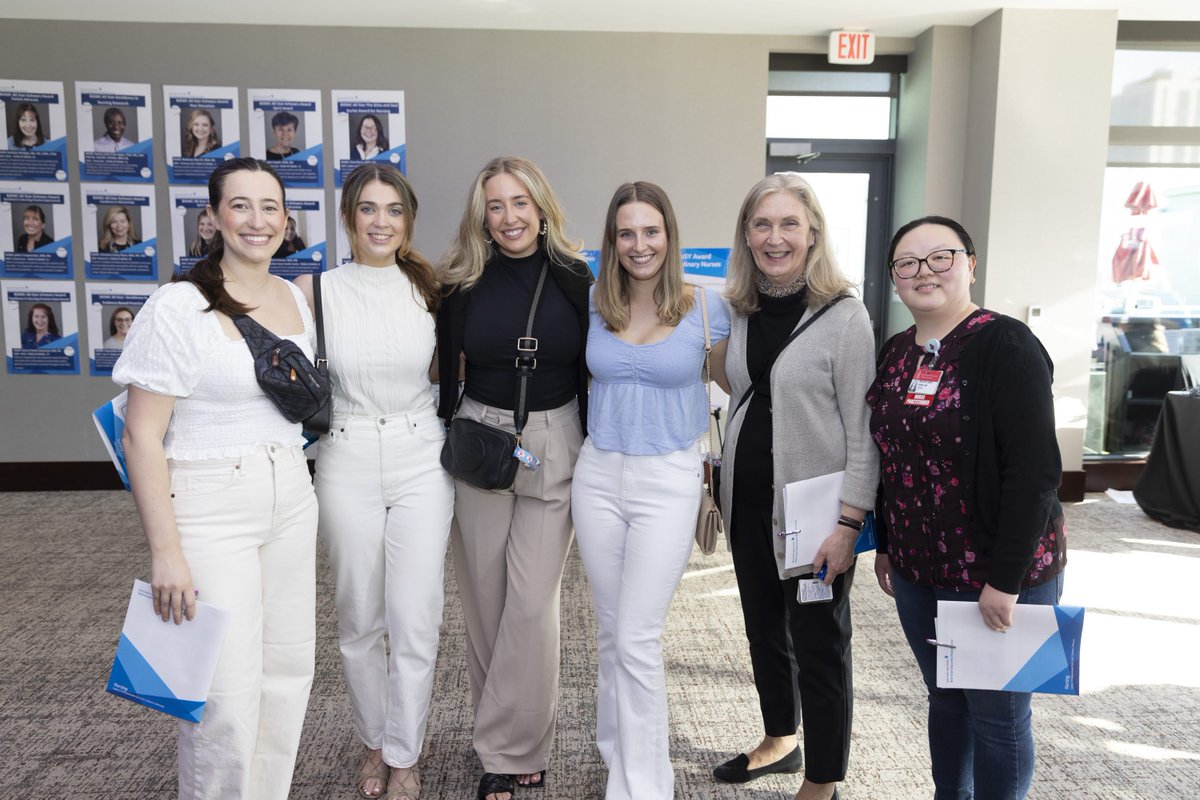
pixel 765 373
pixel 297 388
pixel 480 454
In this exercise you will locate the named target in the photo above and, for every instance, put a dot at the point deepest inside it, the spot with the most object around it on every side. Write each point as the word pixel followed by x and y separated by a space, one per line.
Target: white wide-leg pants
pixel 247 527
pixel 386 505
pixel 635 521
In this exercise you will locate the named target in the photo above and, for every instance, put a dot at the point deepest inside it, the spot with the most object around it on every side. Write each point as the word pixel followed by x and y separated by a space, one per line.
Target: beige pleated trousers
pixel 509 551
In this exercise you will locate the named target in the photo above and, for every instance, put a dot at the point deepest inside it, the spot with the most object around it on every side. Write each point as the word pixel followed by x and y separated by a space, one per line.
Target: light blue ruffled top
pixel 649 399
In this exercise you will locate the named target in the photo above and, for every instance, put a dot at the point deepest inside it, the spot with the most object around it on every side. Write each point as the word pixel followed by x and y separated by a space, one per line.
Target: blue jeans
pixel 980 741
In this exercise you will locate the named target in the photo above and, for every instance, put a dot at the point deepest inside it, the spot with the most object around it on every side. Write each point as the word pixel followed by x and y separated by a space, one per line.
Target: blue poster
pixel 116 132
pixel 285 130
pixel 35 231
pixel 202 128
pixel 41 329
pixel 367 126
pixel 33 131
pixel 120 232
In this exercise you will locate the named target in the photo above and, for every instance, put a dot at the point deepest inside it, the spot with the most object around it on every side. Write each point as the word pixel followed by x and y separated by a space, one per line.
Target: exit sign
pixel 851 47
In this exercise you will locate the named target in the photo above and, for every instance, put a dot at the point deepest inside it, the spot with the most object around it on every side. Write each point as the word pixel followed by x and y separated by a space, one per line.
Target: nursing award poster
pixel 303 250
pixel 35 230
pixel 285 130
pixel 33 131
pixel 201 129
pixel 342 240
pixel 367 126
pixel 119 232
pixel 111 309
pixel 41 329
pixel 116 132
pixel 192 226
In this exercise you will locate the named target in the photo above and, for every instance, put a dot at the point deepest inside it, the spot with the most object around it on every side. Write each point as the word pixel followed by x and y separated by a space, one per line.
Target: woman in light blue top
pixel 637 483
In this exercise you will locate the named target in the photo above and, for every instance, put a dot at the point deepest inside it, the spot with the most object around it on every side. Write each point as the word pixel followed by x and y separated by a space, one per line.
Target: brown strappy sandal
pixel 405 788
pixel 373 768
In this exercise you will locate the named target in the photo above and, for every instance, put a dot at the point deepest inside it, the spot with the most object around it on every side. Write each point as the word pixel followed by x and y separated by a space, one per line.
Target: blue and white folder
pixel 1039 653
pixel 164 666
pixel 110 421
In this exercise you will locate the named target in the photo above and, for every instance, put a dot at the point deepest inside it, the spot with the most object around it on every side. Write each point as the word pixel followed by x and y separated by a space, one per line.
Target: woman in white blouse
pixel 386 503
pixel 223 491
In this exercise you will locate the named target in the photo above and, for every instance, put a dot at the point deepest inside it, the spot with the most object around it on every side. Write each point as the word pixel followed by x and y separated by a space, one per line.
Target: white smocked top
pixel 379 339
pixel 176 348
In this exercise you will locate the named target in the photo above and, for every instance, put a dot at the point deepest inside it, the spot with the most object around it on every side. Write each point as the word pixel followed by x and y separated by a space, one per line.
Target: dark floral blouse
pixel 930 537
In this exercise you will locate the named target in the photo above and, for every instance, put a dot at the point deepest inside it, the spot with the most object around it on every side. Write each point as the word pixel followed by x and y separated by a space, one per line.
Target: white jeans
pixel 247 527
pixel 635 520
pixel 386 505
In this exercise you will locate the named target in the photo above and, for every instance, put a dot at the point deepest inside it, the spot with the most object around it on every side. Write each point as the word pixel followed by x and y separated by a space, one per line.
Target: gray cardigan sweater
pixel 820 418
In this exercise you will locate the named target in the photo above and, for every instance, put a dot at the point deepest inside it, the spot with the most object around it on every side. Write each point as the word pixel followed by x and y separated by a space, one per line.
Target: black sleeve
pixel 449 320
pixel 1030 466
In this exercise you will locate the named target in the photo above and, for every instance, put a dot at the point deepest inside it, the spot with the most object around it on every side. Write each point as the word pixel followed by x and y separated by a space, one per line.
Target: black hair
pixel 206 275
pixel 37 210
pixel 953 225
pixel 285 118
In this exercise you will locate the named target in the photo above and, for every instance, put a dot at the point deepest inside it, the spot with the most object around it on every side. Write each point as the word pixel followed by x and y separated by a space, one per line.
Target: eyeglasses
pixel 937 261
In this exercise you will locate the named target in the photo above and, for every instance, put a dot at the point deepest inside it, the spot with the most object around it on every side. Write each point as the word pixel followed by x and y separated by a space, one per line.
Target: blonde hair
pixel 106 238
pixel 822 275
pixel 190 142
pixel 612 285
pixel 462 265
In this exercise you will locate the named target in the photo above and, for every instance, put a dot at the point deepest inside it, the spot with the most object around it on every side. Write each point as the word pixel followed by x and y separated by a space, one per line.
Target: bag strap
pixel 708 484
pixel 779 351
pixel 257 338
pixel 526 361
pixel 322 362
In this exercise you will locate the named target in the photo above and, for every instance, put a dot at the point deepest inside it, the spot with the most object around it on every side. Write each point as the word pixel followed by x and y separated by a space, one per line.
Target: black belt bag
pixel 484 455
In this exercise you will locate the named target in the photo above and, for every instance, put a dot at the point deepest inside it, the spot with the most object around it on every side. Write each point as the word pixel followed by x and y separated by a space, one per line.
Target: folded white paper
pixel 1039 653
pixel 165 666
pixel 811 509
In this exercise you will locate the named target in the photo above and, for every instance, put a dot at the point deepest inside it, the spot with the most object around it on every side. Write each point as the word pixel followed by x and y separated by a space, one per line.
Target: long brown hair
pixel 410 262
pixel 612 285
pixel 207 275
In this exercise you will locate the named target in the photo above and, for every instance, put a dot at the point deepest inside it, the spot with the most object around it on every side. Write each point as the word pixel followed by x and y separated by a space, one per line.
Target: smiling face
pixel 201 127
pixel 368 132
pixel 114 125
pixel 205 227
pixel 121 321
pixel 779 236
pixel 641 241
pixel 40 320
pixel 251 217
pixel 928 293
pixel 379 225
pixel 28 125
pixel 284 135
pixel 512 217
pixel 31 221
pixel 118 226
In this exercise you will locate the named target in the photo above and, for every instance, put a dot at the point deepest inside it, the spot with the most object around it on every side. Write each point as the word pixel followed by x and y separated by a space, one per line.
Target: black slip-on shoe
pixel 736 770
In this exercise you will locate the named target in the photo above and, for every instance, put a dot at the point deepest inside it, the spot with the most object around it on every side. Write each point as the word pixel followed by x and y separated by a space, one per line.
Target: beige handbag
pixel 709 525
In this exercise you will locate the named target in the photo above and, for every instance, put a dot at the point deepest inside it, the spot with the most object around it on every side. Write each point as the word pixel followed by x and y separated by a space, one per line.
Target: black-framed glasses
pixel 937 261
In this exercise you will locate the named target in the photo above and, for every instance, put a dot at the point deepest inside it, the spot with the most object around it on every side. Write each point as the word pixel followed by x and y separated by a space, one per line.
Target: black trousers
pixel 800 653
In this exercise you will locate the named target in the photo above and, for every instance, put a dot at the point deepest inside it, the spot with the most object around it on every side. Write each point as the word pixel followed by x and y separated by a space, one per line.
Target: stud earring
pixel 545 227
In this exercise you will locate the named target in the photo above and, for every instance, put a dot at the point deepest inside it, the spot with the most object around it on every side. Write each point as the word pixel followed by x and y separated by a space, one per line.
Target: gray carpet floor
pixel 69 558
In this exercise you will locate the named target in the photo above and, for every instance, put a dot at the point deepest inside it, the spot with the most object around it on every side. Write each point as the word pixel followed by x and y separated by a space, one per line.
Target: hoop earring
pixel 545 227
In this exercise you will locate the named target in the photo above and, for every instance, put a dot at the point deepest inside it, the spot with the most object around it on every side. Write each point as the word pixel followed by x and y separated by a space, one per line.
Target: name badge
pixel 923 387
pixel 813 590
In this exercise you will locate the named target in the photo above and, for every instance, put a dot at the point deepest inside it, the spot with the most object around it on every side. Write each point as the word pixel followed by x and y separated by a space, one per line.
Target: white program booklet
pixel 1039 653
pixel 165 666
pixel 811 509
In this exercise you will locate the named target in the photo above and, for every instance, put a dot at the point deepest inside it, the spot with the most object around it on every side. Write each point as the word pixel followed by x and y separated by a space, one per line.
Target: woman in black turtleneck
pixel 510 545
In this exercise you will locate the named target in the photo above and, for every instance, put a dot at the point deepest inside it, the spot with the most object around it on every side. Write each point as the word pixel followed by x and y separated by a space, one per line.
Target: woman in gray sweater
pixel 798 413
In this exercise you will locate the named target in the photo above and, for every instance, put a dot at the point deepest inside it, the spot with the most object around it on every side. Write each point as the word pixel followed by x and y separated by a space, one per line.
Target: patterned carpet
pixel 69 558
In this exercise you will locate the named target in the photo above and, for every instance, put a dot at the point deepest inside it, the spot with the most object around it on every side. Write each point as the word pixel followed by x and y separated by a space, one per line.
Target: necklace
pixel 771 290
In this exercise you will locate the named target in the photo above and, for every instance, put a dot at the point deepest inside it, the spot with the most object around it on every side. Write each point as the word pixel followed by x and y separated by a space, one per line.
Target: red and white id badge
pixel 923 387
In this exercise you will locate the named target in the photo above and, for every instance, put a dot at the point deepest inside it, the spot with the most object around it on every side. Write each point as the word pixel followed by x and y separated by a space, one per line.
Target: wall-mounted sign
pixel 851 47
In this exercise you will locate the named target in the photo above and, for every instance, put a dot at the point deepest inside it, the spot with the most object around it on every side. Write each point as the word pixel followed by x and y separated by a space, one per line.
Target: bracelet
pixel 850 522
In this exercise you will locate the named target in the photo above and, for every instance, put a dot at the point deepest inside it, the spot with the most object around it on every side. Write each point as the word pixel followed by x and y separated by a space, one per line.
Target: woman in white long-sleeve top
pixel 386 502
pixel 638 480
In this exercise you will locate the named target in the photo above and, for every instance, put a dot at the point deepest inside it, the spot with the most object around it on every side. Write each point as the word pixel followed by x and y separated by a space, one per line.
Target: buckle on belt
pixel 527 347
